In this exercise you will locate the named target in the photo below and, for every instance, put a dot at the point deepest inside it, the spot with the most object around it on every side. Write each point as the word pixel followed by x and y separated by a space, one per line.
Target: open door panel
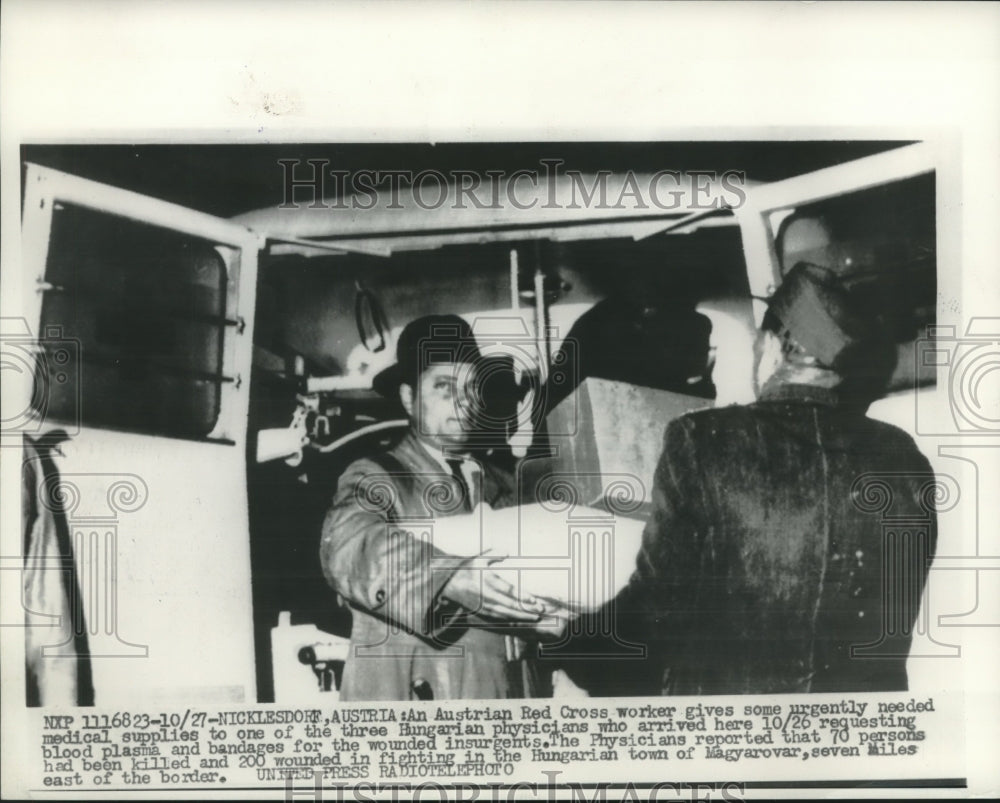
pixel 143 317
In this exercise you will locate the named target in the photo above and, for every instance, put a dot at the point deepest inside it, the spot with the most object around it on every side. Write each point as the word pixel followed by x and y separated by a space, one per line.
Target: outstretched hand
pixel 480 590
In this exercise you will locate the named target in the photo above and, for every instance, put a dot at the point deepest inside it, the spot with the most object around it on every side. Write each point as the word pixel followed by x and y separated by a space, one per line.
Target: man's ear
pixel 406 398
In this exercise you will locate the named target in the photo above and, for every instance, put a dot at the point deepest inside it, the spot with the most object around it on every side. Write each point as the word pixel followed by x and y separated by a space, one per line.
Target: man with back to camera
pixel 759 571
pixel 419 618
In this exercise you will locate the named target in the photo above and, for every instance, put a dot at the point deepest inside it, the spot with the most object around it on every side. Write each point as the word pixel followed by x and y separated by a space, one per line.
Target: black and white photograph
pixel 640 462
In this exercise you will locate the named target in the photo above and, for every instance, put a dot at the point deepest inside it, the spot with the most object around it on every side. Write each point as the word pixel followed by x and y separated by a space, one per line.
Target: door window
pixel 144 308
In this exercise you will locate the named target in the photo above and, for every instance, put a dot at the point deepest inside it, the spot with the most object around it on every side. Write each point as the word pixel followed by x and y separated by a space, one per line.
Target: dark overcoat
pixel 771 562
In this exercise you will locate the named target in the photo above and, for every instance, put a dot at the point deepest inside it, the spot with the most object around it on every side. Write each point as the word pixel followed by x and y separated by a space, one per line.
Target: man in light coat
pixel 426 625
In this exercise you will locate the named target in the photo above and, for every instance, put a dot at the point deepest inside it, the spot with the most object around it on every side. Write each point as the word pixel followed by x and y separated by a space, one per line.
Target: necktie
pixel 468 502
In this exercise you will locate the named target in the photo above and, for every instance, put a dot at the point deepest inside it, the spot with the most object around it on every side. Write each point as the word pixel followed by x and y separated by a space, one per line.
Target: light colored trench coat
pixel 407 642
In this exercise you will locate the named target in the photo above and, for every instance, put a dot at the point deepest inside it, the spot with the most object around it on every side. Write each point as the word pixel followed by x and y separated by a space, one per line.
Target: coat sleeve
pixel 378 565
pixel 677 550
pixel 650 608
pixel 56 652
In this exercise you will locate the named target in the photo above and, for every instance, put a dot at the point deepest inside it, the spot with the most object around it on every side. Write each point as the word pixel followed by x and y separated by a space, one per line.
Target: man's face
pixel 439 407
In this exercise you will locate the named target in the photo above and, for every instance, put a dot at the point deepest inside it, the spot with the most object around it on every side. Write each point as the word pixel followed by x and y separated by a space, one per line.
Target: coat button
pixel 380 596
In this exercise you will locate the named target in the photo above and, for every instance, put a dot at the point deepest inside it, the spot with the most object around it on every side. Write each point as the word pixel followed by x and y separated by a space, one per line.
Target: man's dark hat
pixel 427 341
pixel 813 307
